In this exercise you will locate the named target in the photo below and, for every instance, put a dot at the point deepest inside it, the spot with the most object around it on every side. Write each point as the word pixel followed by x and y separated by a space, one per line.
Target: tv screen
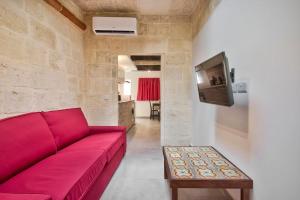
pixel 214 81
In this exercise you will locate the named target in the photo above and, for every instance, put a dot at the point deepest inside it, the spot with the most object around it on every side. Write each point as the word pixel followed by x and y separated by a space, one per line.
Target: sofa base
pixel 102 181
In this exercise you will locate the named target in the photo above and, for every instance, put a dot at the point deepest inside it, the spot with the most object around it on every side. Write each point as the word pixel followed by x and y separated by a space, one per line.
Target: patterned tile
pixel 200 163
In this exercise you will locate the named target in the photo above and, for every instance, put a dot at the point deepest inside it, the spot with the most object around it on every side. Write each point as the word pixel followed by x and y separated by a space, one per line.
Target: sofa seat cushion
pixel 64 176
pixel 67 126
pixel 24 140
pixel 8 196
pixel 109 142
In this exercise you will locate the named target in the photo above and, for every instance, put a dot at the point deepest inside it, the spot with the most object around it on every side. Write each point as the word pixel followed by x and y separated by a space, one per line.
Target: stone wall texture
pixel 47 63
pixel 201 14
pixel 168 36
pixel 41 58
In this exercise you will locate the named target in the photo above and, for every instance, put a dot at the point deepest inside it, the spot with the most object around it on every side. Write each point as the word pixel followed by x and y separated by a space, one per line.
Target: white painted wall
pixel 142 108
pixel 262 41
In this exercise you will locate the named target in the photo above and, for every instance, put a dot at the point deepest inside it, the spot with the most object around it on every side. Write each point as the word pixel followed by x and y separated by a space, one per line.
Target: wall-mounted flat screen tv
pixel 214 81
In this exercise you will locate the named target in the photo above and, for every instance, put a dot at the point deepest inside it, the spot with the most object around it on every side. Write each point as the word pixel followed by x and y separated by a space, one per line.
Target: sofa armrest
pixel 11 196
pixel 105 129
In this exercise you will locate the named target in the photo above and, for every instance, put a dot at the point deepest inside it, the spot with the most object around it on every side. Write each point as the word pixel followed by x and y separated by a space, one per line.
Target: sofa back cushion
pixel 67 126
pixel 24 140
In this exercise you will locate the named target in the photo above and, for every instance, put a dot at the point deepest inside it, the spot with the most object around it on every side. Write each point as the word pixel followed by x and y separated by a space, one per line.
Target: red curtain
pixel 148 89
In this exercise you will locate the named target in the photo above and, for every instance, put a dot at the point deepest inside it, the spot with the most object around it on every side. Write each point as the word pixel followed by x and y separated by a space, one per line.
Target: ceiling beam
pixel 64 11
pixel 147 62
pixel 134 58
pixel 148 67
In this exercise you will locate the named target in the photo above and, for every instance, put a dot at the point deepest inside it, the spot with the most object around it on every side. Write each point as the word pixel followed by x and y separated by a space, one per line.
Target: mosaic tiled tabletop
pixel 202 162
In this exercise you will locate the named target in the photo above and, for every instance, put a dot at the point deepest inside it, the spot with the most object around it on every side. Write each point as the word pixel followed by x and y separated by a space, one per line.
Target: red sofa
pixel 55 155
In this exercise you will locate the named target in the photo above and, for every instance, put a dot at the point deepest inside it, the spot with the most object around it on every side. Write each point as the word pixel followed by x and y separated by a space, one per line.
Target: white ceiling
pixel 125 63
pixel 145 7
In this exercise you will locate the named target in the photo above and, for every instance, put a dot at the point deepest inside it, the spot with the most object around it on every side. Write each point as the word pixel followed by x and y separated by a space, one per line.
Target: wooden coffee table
pixel 202 167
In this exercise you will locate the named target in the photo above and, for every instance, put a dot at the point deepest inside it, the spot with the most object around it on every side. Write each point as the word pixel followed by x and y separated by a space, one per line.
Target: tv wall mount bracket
pixel 232 75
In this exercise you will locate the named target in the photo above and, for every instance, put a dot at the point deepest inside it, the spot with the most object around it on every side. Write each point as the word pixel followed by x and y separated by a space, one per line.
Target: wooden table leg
pixel 174 193
pixel 245 194
pixel 165 170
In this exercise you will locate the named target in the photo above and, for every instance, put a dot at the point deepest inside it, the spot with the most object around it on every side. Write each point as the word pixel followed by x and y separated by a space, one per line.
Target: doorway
pixel 139 81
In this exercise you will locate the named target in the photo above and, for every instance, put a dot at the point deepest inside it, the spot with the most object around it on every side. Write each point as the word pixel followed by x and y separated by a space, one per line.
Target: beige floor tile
pixel 140 175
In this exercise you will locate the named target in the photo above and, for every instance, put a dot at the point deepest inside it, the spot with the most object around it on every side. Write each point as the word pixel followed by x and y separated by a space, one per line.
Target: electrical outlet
pixel 241 87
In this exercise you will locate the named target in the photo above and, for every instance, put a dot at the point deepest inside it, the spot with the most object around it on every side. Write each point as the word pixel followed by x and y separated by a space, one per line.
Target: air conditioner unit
pixel 115 25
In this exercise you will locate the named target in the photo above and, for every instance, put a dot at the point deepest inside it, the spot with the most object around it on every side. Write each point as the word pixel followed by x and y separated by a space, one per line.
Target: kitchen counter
pixel 127 113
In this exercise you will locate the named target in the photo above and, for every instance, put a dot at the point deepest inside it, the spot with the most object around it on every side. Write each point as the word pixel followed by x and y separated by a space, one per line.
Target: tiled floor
pixel 140 175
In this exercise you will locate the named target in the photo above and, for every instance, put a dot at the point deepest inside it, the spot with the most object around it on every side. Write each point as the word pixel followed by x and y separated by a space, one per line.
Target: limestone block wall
pixel 41 58
pixel 48 63
pixel 168 36
pixel 201 14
